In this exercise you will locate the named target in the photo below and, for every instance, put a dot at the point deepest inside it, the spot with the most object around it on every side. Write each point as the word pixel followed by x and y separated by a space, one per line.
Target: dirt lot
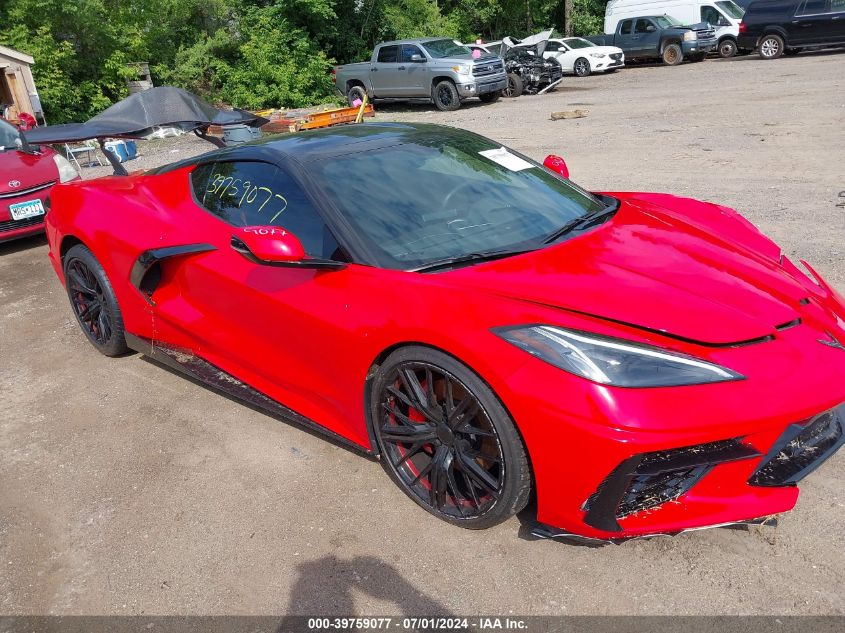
pixel 125 489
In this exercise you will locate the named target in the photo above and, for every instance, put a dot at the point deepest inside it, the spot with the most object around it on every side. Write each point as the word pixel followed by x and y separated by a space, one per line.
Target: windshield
pixel 732 9
pixel 577 42
pixel 445 48
pixel 8 136
pixel 666 21
pixel 448 196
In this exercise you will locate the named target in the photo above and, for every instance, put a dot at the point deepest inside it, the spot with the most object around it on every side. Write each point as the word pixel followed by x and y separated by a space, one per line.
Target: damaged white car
pixel 583 58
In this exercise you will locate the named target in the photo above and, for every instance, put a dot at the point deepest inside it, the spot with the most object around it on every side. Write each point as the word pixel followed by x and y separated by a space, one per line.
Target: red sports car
pixel 27 174
pixel 641 363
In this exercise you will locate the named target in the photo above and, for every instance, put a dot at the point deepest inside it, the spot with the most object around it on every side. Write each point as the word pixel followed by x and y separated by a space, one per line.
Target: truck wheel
pixel 490 97
pixel 727 48
pixel 673 55
pixel 445 96
pixel 514 87
pixel 355 92
pixel 582 67
pixel 771 46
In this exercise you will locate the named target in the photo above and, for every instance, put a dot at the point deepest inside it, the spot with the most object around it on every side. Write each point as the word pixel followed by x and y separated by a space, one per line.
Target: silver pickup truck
pixel 429 68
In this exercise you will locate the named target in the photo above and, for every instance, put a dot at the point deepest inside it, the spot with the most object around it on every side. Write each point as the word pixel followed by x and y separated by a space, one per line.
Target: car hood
pixel 696 272
pixel 29 170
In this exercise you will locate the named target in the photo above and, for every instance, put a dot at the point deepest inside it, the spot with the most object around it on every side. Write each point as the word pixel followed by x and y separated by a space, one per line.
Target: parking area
pixel 127 489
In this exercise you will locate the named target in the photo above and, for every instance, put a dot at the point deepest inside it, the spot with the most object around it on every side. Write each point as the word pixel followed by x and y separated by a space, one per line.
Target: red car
pixel 27 175
pixel 641 363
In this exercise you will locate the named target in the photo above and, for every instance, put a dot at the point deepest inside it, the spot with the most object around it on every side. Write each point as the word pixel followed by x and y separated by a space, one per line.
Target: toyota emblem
pixel 14 183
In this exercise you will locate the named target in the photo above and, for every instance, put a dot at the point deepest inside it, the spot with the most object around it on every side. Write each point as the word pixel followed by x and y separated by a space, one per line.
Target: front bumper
pixel 583 437
pixel 607 62
pixel 699 46
pixel 13 229
pixel 478 87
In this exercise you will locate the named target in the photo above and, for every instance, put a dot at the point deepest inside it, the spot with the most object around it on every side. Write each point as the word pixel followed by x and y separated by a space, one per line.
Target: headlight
pixel 612 361
pixel 690 36
pixel 462 70
pixel 598 55
pixel 66 170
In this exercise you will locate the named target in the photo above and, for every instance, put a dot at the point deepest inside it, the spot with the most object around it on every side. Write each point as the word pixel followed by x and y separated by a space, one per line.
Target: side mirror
pixel 275 246
pixel 650 28
pixel 557 165
pixel 418 59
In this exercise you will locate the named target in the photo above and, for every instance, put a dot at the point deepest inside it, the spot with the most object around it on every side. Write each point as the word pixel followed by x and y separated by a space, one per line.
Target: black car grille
pixel 11 225
pixel 648 480
pixel 801 449
pixel 706 34
pixel 616 56
pixel 484 69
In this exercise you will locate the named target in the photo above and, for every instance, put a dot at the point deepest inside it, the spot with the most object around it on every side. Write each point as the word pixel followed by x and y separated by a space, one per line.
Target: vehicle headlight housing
pixel 597 55
pixel 690 36
pixel 611 361
pixel 462 70
pixel 66 170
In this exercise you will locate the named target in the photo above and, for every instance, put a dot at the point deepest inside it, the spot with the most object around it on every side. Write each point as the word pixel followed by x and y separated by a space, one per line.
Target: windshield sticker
pixel 504 158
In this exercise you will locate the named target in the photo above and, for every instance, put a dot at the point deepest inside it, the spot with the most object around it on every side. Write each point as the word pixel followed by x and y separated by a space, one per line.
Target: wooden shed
pixel 17 88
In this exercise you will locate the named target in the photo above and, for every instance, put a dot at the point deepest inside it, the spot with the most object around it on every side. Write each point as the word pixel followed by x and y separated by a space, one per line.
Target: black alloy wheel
pixel 445 96
pixel 93 301
pixel 445 439
pixel 514 87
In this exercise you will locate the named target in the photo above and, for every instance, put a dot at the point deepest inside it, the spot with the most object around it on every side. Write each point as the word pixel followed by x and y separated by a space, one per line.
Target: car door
pixel 385 72
pixel 626 40
pixel 810 24
pixel 647 37
pixel 836 24
pixel 413 76
pixel 279 330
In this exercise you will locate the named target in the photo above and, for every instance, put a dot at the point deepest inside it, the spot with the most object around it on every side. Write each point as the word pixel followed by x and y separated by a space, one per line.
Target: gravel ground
pixel 125 489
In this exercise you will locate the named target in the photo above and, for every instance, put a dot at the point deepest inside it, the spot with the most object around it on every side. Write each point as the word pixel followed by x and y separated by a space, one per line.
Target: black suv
pixel 775 27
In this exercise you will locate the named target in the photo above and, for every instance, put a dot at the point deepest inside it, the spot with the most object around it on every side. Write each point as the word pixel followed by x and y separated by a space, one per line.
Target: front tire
pixel 581 67
pixel 727 49
pixel 514 87
pixel 771 46
pixel 446 440
pixel 445 96
pixel 93 301
pixel 673 55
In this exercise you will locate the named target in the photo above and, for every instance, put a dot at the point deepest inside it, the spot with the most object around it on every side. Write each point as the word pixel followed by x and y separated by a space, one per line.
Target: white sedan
pixel 582 57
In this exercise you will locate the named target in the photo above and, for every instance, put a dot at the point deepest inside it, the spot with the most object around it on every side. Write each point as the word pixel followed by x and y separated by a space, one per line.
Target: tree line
pixel 248 53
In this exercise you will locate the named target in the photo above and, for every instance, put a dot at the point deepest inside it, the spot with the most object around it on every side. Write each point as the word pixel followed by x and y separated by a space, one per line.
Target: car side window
pixel 642 26
pixel 247 193
pixel 813 7
pixel 388 54
pixel 552 46
pixel 408 51
pixel 837 6
pixel 626 28
pixel 710 15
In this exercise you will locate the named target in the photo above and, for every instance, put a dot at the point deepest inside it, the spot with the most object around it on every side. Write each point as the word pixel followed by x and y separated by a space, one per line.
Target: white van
pixel 723 15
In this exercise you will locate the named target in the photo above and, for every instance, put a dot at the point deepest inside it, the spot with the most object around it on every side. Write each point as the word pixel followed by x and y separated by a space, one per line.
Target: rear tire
pixel 93 301
pixel 355 92
pixel 581 67
pixel 673 55
pixel 446 440
pixel 490 97
pixel 771 46
pixel 514 87
pixel 445 96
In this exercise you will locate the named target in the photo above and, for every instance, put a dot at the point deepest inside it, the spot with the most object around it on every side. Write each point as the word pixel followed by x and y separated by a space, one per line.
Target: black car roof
pixel 304 147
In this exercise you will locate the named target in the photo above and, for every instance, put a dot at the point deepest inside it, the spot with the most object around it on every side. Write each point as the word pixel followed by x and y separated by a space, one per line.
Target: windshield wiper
pixel 469 258
pixel 583 222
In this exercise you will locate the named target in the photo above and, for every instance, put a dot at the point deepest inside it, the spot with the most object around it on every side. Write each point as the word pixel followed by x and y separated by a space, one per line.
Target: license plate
pixel 28 209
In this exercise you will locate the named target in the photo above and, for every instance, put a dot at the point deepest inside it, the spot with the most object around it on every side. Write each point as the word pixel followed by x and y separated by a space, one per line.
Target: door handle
pixel 401 68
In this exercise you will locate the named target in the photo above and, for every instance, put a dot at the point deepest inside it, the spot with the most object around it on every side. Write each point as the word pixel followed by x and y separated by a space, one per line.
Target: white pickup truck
pixel 428 68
